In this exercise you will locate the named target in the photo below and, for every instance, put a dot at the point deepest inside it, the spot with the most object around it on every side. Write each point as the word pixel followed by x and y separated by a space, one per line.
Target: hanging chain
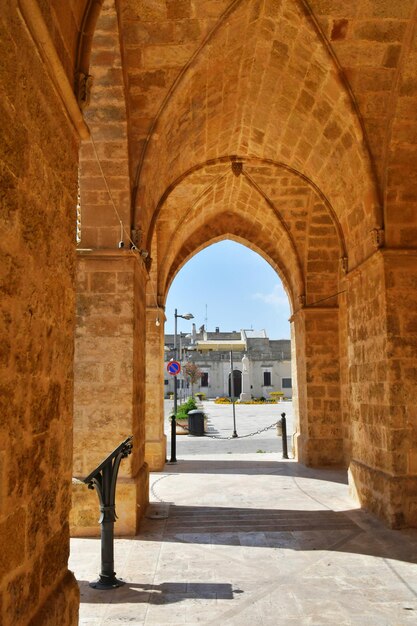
pixel 257 432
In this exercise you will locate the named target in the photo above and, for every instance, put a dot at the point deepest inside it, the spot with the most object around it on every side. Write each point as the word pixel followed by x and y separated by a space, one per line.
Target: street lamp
pixel 186 316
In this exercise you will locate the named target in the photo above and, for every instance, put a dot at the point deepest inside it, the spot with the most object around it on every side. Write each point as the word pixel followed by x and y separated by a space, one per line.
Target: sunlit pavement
pixel 247 538
pixel 249 418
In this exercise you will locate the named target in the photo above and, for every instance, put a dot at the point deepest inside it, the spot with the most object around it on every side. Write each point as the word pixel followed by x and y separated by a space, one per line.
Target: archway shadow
pixel 351 531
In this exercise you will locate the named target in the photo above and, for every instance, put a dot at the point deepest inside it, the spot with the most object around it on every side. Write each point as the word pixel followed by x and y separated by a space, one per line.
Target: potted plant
pixel 182 416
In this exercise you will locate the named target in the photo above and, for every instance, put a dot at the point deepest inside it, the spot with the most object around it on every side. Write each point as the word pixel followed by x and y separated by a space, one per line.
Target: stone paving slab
pixel 250 540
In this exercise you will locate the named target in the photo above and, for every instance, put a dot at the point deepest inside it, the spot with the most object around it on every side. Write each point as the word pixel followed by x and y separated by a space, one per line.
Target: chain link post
pixel 284 436
pixel 232 392
pixel 173 419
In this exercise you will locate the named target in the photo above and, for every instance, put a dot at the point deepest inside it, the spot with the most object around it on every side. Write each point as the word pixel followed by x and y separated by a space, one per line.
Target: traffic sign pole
pixel 174 370
pixel 173 458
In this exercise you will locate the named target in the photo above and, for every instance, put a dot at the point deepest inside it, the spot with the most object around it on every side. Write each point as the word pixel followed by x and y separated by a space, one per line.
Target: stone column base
pixel 156 453
pixel 391 498
pixel 61 606
pixel 319 452
pixel 132 497
pixel 245 397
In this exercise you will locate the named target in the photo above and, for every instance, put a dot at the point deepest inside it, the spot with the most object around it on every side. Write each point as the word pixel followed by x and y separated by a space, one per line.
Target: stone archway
pixel 324 90
pixel 286 162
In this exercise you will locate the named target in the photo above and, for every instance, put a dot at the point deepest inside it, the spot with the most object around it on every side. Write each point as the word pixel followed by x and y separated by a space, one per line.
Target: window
pixel 204 379
pixel 267 379
pixel 166 382
pixel 286 383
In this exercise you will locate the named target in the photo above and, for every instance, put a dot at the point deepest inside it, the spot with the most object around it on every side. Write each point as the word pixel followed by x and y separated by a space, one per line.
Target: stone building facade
pixel 287 125
pixel 261 365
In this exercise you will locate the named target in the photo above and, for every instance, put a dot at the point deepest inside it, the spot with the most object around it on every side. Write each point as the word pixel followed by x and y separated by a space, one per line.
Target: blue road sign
pixel 173 368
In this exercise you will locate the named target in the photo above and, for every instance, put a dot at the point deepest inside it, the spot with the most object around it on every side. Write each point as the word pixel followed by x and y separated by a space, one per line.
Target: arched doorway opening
pixel 262 216
pixel 251 320
pixel 237 384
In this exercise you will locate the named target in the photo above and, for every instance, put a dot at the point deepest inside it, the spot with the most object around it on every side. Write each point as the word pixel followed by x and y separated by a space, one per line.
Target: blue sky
pixel 240 289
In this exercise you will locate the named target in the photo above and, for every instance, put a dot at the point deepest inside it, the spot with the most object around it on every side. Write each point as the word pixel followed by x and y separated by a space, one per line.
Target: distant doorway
pixel 237 382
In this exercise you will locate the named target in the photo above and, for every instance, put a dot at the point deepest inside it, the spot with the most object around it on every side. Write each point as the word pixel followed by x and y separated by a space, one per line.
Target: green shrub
pixel 183 409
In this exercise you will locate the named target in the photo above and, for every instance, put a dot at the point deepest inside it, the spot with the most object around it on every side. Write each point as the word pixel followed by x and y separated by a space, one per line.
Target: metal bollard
pixel 173 419
pixel 283 421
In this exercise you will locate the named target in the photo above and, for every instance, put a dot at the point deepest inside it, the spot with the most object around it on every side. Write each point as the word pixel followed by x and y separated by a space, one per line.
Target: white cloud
pixel 277 297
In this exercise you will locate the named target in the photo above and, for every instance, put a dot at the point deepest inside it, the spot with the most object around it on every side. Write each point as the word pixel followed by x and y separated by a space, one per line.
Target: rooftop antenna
pixel 205 320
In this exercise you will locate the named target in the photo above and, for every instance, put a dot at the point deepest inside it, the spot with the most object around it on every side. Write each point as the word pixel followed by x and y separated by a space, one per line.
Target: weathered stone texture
pixel 382 360
pixel 109 391
pixel 271 112
pixel 155 439
pixel 320 437
pixel 107 150
pixel 38 170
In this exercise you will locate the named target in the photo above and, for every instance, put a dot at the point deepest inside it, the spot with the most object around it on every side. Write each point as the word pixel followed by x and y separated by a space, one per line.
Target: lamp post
pixel 232 393
pixel 173 459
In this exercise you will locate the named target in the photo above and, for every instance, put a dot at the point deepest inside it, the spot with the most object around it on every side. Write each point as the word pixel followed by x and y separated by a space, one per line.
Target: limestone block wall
pixel 155 445
pixel 344 377
pixel 108 392
pixel 401 282
pixel 294 378
pixel 140 469
pixel 382 367
pixel 320 440
pixel 38 189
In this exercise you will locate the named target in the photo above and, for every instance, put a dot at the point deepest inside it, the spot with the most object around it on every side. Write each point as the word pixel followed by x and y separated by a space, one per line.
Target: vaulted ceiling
pixel 319 92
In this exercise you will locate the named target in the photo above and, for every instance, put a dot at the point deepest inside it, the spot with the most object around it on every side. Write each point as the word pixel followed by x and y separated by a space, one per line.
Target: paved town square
pixel 249 418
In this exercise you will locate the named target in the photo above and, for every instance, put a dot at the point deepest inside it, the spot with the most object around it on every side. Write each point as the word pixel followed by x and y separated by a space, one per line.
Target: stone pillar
pixel 246 394
pixel 109 373
pixel 38 171
pixel 294 379
pixel 319 440
pixel 382 361
pixel 155 444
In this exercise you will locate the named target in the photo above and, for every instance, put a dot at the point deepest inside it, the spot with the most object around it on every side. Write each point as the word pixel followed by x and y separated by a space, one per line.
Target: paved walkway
pixel 249 418
pixel 248 539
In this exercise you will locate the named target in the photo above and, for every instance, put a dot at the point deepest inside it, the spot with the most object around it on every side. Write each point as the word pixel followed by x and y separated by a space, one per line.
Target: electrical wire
pixel 123 230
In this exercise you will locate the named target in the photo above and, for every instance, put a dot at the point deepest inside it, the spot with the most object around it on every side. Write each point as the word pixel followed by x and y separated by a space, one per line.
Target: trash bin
pixel 196 423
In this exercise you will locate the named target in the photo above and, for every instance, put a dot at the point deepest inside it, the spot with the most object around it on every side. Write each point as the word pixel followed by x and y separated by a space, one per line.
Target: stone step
pixel 190 519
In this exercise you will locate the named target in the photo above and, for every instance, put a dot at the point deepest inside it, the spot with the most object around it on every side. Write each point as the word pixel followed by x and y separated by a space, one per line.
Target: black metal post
pixel 107 519
pixel 232 391
pixel 284 436
pixel 173 419
pixel 103 479
pixel 173 458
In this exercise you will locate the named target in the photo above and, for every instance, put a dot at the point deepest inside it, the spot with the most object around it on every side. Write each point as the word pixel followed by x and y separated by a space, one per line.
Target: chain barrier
pixel 256 432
